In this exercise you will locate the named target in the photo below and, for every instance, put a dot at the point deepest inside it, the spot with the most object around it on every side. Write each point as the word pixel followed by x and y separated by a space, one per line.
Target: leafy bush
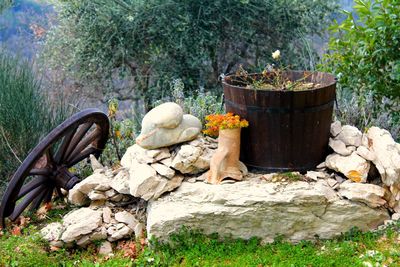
pixel 364 54
pixel 26 114
pixel 153 41
pixel 364 50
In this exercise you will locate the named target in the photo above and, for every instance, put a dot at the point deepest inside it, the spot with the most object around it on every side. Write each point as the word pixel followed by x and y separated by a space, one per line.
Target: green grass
pixel 190 248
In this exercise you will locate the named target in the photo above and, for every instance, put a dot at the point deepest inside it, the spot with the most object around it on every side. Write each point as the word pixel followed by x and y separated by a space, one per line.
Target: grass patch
pixel 191 248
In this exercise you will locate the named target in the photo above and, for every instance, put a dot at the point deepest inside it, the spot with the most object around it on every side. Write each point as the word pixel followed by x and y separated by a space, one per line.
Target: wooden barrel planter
pixel 288 130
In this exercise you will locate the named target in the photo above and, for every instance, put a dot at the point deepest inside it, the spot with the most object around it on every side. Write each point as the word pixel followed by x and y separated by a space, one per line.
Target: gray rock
pixel 123 232
pixel 139 230
pixel 80 222
pixel 107 214
pixel 246 209
pixel 167 185
pixel 96 195
pixel 96 165
pixel 336 128
pixel 365 153
pixel 83 241
pixel 348 165
pixel 370 194
pixel 165 125
pixel 350 135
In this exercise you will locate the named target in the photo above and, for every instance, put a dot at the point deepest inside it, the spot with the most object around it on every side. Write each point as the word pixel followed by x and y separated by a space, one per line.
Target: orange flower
pixel 216 122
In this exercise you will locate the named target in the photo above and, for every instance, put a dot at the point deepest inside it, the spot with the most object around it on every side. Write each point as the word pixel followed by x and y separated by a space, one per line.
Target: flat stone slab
pixel 254 208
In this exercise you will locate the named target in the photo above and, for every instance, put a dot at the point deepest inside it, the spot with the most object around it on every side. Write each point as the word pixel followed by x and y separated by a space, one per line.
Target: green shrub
pixel 364 48
pixel 154 41
pixel 26 114
pixel 364 55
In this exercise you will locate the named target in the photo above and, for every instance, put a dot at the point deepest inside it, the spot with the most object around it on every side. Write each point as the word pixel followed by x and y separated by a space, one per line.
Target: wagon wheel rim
pixel 46 168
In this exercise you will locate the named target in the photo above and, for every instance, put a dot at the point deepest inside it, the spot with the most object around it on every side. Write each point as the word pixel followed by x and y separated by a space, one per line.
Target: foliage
pixel 122 135
pixel 5 4
pixel 382 112
pixel 156 40
pixel 217 122
pixel 199 105
pixel 26 113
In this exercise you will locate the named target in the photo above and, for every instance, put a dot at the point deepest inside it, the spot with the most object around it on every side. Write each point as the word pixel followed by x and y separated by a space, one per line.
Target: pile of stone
pixel 85 225
pixel 372 157
pixel 108 194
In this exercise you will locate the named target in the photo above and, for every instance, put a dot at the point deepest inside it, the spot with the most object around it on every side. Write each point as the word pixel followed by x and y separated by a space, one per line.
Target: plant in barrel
pixel 289 112
pixel 225 162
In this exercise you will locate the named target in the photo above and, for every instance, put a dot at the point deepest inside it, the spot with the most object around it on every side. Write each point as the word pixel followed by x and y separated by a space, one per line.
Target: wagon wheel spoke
pixel 26 201
pixel 32 185
pixel 62 150
pixel 49 195
pixel 84 154
pixel 42 172
pixel 82 145
pixel 83 129
pixel 36 202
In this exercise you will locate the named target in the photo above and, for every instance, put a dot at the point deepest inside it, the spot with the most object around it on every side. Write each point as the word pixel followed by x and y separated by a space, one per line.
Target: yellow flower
pixel 276 54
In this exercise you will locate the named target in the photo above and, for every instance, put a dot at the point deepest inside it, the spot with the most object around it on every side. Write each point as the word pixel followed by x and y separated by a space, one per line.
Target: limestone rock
pixel 95 164
pixel 127 218
pixel 315 175
pixel 76 197
pixel 136 153
pixel 365 153
pixel 370 194
pixel 168 185
pixel 336 128
pixel 123 232
pixel 387 154
pixel 107 214
pixel 96 195
pixel 93 181
pixel 105 248
pixel 192 160
pixel 143 181
pixel 163 170
pixel 165 125
pixel 339 147
pixel 80 222
pixel 249 208
pixel 52 232
pixel 120 182
pixel 348 164
pixel 350 135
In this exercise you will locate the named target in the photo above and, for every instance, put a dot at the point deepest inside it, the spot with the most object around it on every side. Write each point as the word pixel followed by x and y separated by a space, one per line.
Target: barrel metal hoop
pixel 280 109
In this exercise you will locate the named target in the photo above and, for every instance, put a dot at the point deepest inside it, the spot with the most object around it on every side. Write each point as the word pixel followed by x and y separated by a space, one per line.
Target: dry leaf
pixel 17 249
pixel 16 230
pixel 355 176
pixel 42 211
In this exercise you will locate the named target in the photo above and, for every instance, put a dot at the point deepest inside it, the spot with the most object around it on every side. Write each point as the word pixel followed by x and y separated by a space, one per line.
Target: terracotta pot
pixel 225 162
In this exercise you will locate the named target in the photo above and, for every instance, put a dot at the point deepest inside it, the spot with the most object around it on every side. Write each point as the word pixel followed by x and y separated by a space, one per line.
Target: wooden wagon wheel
pixel 46 168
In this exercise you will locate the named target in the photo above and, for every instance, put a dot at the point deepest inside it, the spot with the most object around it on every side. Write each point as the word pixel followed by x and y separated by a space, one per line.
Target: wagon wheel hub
pixel 47 168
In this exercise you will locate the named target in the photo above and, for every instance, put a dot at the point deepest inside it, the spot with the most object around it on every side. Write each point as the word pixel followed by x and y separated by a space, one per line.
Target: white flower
pixel 276 54
pixel 130 18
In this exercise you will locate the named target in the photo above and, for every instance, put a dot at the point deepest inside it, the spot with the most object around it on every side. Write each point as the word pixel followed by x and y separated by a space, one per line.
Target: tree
pixel 153 41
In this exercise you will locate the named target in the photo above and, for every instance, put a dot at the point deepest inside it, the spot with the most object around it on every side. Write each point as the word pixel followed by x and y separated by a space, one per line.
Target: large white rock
pixel 336 128
pixel 348 165
pixel 386 154
pixel 350 135
pixel 165 125
pixel 80 222
pixel 250 208
pixel 370 194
